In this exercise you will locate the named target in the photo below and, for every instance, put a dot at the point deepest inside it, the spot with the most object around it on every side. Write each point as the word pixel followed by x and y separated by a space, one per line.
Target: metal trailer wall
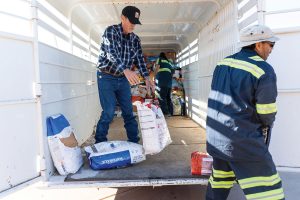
pixel 285 137
pixel 19 112
pixel 68 87
pixel 67 75
pixel 214 43
pixel 19 106
pixel 38 80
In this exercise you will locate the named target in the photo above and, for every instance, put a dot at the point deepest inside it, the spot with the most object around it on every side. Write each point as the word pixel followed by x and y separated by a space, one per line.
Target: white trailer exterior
pixel 49 53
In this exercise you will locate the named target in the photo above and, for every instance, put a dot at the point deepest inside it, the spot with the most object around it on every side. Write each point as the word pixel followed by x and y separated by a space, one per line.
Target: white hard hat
pixel 255 34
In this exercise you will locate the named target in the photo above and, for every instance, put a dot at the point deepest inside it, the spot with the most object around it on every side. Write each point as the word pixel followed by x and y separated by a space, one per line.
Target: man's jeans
pixel 112 90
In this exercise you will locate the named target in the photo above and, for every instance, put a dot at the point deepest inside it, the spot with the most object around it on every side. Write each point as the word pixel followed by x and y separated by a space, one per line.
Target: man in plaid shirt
pixel 120 48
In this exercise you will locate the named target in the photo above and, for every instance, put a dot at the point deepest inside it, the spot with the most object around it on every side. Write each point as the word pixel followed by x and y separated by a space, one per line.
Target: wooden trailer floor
pixel 172 163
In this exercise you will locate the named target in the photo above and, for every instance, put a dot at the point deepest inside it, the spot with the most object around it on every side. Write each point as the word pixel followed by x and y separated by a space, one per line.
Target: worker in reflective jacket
pixel 163 80
pixel 241 111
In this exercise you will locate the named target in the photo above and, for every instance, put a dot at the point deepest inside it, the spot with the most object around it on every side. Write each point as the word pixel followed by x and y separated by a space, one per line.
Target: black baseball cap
pixel 132 13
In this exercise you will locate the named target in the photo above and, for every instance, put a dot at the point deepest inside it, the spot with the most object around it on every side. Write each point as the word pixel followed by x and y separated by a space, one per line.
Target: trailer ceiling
pixel 167 24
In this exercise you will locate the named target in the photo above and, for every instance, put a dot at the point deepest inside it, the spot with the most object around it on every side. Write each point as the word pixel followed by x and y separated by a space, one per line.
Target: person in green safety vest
pixel 163 80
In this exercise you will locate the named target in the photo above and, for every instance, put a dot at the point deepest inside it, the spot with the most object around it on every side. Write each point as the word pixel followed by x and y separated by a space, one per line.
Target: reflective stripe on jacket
pixel 242 101
pixel 165 73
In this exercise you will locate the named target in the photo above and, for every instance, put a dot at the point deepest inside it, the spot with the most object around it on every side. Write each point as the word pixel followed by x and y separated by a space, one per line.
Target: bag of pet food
pixel 114 154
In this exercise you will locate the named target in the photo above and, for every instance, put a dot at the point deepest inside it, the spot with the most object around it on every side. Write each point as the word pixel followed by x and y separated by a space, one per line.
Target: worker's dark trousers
pixel 258 179
pixel 165 101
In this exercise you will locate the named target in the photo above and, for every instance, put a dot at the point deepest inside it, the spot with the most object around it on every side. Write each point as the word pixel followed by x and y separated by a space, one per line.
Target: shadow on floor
pixel 178 192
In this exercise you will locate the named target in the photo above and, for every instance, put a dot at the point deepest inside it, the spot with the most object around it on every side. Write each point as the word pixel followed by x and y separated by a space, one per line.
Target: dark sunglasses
pixel 272 44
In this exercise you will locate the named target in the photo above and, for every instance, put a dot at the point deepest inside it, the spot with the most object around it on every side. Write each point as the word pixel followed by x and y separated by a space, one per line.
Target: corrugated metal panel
pixel 56 30
pixel 214 43
pixel 68 81
pixel 69 87
pixel 170 17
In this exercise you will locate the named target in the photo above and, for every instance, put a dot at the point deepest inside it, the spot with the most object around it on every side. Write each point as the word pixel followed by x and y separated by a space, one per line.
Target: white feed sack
pixel 114 154
pixel 64 149
pixel 154 129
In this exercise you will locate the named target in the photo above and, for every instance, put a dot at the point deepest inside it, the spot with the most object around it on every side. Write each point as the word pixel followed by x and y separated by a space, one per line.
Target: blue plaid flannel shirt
pixel 119 51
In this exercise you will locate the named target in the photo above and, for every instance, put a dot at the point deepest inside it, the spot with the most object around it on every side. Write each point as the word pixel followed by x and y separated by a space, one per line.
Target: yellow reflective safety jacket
pixel 242 101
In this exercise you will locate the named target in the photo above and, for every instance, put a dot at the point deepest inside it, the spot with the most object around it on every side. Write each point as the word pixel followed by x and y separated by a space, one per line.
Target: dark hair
pixel 251 47
pixel 162 55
